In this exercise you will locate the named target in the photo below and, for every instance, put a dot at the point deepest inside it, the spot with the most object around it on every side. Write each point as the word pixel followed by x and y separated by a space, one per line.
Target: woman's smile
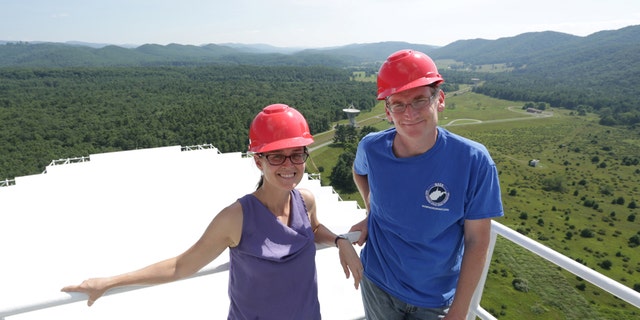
pixel 287 175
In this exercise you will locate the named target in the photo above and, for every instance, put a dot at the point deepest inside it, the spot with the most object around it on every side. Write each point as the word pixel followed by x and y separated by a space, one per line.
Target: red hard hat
pixel 278 126
pixel 406 69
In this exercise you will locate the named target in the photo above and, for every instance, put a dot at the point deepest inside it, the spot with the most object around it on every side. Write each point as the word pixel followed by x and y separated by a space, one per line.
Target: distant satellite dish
pixel 351 112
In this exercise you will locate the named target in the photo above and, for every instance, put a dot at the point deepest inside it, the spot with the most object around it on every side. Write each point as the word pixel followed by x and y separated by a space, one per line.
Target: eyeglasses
pixel 418 104
pixel 276 159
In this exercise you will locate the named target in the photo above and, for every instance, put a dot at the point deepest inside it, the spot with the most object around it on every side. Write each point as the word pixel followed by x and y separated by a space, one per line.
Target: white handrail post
pixel 477 295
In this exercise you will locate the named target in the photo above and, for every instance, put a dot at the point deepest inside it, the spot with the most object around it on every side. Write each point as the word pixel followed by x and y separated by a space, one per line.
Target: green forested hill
pixel 59 100
pixel 59 55
pixel 599 72
pixel 49 114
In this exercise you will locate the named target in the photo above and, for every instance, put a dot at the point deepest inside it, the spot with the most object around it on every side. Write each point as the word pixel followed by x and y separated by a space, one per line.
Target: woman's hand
pixel 94 288
pixel 350 261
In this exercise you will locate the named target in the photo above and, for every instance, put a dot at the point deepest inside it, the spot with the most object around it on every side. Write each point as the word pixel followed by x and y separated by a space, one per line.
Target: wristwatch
pixel 342 236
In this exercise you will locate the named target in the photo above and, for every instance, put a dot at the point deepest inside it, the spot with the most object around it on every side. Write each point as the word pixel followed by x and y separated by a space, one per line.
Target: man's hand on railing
pixel 361 228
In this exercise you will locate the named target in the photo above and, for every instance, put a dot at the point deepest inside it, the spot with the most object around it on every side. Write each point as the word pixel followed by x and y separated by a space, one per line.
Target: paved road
pixel 456 122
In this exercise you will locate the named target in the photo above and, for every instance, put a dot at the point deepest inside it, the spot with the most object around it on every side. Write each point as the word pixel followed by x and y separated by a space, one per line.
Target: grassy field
pixel 578 200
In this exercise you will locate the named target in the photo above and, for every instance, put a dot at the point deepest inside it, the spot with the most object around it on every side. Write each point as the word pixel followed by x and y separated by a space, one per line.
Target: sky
pixel 304 23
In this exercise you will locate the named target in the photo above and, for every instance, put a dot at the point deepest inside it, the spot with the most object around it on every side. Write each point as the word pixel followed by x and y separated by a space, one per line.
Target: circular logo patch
pixel 437 195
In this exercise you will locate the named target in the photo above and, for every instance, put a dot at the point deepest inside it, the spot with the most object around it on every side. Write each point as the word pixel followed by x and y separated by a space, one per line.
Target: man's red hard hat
pixel 404 70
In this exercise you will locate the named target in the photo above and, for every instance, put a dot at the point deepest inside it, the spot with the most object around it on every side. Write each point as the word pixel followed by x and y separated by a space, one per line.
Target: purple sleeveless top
pixel 272 271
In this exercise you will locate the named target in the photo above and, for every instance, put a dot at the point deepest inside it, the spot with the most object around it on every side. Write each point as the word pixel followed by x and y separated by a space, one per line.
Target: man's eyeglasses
pixel 276 159
pixel 418 104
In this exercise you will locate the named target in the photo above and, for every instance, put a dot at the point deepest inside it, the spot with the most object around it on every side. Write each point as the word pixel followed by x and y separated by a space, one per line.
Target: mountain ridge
pixel 519 50
pixel 598 72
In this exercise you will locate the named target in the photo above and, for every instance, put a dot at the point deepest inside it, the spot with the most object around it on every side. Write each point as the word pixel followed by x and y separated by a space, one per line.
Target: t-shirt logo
pixel 437 194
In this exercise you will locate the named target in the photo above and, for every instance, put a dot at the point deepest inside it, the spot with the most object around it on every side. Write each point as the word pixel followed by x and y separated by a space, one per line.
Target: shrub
pixel 634 241
pixel 587 233
pixel 606 264
pixel 520 284
pixel 555 183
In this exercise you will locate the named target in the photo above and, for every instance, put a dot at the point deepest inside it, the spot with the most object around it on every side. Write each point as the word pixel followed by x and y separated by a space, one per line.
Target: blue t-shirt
pixel 272 271
pixel 418 206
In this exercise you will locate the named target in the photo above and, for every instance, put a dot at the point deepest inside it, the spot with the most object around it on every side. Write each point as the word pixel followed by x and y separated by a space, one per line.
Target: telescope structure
pixel 351 112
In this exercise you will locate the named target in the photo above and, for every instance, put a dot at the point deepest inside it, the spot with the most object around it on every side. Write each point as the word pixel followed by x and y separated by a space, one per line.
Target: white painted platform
pixel 124 210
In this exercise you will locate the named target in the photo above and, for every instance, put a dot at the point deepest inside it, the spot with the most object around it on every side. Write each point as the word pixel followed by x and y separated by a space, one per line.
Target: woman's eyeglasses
pixel 276 159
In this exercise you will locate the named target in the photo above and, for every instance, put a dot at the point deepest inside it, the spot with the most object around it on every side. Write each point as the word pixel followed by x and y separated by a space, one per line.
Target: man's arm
pixel 476 244
pixel 362 182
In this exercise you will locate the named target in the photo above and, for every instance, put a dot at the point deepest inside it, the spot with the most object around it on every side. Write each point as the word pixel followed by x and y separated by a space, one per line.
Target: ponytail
pixel 261 182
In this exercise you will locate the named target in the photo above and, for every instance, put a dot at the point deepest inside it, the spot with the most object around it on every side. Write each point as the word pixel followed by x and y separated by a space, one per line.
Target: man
pixel 430 196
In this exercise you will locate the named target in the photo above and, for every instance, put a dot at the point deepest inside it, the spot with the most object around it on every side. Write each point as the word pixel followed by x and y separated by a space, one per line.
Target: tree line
pixel 616 101
pixel 53 113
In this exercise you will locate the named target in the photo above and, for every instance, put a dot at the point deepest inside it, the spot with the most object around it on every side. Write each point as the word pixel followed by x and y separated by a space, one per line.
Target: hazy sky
pixel 304 23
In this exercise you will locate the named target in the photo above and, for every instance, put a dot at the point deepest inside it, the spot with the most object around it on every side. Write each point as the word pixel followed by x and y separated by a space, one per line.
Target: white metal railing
pixel 315 176
pixel 619 290
pixel 207 146
pixel 60 162
pixel 69 160
pixel 65 298
pixel 7 182
pixel 12 182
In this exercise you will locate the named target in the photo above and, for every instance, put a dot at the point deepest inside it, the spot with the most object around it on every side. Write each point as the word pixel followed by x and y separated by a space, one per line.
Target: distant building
pixel 533 110
pixel 534 162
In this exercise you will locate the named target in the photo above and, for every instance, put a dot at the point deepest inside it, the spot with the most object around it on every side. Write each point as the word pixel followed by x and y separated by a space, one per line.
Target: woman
pixel 270 234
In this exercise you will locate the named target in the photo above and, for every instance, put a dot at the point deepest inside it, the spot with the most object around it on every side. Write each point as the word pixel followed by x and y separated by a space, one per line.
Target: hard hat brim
pixel 420 82
pixel 283 144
